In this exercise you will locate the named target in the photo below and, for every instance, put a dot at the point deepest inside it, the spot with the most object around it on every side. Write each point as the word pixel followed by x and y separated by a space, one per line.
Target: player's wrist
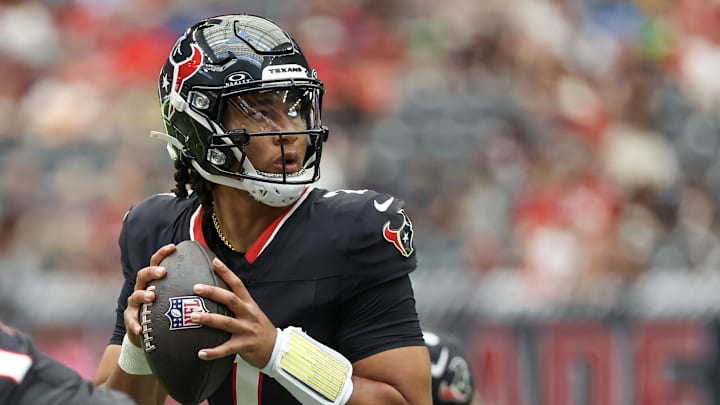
pixel 267 369
pixel 311 371
pixel 132 358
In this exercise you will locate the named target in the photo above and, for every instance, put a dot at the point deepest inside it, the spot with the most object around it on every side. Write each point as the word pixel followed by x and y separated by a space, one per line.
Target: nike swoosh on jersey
pixel 384 206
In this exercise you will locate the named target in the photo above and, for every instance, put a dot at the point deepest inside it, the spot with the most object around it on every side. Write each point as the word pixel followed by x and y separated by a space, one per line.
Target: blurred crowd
pixel 565 140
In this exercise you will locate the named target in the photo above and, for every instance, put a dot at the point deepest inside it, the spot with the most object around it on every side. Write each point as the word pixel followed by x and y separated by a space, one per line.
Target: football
pixel 171 340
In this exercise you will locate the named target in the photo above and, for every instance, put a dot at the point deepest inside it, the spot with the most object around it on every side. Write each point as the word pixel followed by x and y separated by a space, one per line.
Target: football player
pixel 320 276
pixel 452 381
pixel 29 377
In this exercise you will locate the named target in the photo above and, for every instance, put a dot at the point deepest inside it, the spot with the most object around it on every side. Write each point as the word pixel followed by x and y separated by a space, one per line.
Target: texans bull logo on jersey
pixel 180 310
pixel 401 237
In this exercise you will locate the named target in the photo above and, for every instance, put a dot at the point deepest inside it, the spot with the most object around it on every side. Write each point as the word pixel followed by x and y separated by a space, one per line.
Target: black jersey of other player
pixel 29 377
pixel 335 263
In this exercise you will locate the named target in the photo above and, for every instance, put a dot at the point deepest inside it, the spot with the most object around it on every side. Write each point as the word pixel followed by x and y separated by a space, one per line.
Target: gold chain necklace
pixel 219 231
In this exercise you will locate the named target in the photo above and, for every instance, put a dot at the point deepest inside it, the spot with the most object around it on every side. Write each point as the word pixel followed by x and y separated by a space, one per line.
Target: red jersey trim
pixel 269 233
pixel 196 232
pixel 260 382
pixel 265 237
pixel 234 379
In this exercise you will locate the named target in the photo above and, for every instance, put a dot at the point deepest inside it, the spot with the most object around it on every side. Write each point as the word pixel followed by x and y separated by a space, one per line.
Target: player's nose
pixel 285 139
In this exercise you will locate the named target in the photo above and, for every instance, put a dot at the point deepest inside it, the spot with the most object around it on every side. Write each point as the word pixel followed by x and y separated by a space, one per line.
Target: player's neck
pixel 241 218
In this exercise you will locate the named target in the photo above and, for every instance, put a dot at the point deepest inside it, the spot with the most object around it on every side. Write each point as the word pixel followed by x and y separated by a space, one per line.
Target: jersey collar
pixel 196 232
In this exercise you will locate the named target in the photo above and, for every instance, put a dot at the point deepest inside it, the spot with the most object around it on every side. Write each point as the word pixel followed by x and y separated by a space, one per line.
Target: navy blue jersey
pixel 335 264
pixel 30 377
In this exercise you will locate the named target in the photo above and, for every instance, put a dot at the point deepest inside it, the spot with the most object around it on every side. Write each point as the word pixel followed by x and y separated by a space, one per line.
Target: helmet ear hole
pixel 220 158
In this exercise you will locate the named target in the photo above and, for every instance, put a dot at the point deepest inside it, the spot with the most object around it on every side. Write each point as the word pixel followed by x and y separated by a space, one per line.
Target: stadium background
pixel 559 159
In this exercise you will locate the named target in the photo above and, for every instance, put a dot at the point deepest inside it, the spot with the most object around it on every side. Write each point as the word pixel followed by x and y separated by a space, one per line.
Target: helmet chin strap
pixel 274 195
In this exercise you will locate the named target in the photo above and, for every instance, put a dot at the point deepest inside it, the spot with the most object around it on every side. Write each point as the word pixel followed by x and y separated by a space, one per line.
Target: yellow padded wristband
pixel 311 371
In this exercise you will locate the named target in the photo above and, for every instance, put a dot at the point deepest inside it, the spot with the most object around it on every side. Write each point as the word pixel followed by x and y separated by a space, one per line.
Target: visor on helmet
pixel 272 111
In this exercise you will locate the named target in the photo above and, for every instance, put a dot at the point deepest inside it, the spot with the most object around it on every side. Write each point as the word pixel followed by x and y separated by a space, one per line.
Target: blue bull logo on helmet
pixel 180 310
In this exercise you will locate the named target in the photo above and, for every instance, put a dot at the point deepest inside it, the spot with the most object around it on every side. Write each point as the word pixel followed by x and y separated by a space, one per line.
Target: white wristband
pixel 132 359
pixel 312 372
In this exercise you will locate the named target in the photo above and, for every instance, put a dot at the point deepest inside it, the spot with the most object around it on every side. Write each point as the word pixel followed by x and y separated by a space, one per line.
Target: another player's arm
pixel 142 387
pixel 29 376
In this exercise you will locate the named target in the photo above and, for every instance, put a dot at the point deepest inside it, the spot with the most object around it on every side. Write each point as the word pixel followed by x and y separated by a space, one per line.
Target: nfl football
pixel 171 340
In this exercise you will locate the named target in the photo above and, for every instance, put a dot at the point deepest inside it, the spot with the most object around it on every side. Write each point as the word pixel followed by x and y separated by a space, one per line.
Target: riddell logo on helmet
pixel 284 72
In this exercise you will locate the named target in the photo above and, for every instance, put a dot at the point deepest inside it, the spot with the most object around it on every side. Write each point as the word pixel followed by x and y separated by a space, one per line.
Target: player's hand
pixel 141 296
pixel 253 335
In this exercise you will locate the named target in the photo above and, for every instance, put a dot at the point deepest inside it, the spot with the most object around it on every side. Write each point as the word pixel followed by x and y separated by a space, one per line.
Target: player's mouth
pixel 291 163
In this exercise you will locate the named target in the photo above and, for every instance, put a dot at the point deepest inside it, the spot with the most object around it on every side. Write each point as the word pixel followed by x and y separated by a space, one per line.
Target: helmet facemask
pixel 283 112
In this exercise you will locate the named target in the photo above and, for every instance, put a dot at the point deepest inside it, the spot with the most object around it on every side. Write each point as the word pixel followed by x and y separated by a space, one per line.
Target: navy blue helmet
pixel 221 64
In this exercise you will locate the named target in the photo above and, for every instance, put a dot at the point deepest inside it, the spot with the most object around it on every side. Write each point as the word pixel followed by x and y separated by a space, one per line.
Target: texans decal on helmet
pixel 401 237
pixel 284 72
pixel 180 310
pixel 188 67
pixel 185 60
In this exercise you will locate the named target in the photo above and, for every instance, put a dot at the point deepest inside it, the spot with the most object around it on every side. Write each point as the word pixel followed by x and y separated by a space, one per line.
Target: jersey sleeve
pixel 378 243
pixel 127 287
pixel 377 310
pixel 379 319
pixel 146 227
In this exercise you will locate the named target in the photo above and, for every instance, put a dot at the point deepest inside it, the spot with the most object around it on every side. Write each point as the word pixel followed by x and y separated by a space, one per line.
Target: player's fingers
pixel 254 345
pixel 156 258
pixel 133 326
pixel 148 274
pixel 139 297
pixel 216 352
pixel 236 285
pixel 131 314
pixel 228 298
pixel 217 321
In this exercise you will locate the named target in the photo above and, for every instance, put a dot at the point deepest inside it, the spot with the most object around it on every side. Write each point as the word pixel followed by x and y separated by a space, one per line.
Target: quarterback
pixel 325 271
